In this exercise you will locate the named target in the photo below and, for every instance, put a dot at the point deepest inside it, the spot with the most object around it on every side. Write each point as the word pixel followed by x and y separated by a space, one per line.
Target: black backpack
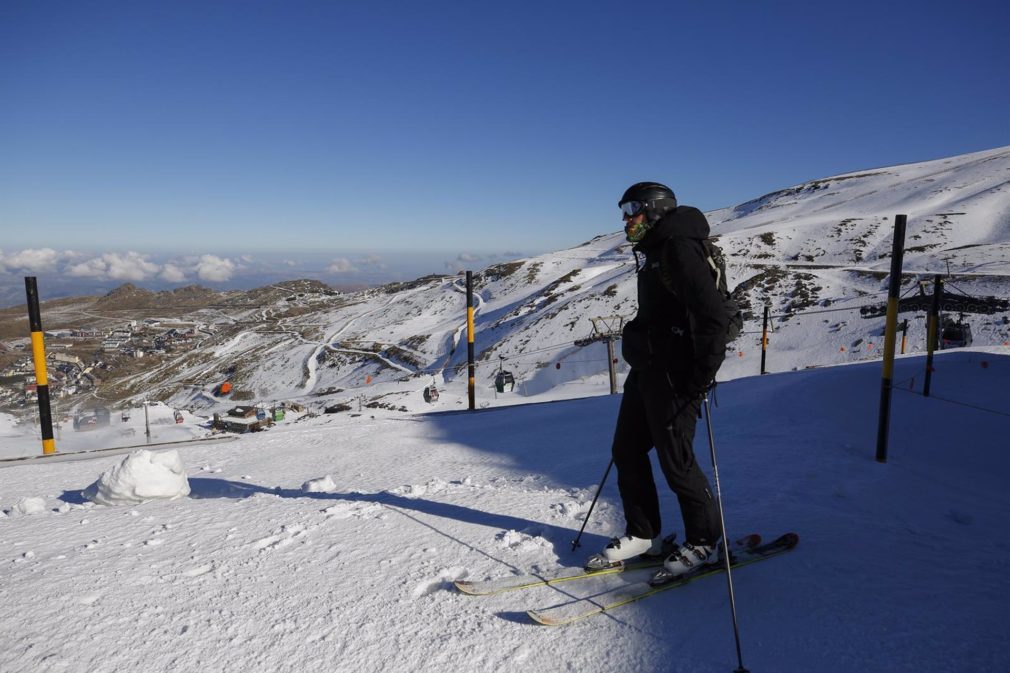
pixel 717 262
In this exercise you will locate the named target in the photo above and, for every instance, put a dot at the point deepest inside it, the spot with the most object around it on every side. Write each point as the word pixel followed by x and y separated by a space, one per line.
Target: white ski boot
pixel 687 559
pixel 620 549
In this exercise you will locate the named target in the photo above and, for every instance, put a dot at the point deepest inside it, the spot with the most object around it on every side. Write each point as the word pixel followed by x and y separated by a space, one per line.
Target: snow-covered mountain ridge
pixel 958 209
pixel 815 253
pixel 825 243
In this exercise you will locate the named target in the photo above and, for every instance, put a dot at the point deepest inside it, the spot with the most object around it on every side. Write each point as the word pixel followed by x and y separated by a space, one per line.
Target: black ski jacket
pixel 681 325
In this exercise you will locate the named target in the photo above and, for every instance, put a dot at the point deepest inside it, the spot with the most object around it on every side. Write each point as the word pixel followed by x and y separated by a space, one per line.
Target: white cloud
pixel 373 261
pixel 130 266
pixel 172 273
pixel 92 268
pixel 467 257
pixel 215 269
pixel 342 265
pixel 41 259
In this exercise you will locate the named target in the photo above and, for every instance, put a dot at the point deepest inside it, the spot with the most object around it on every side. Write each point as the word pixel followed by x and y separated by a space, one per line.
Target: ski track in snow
pixel 313 364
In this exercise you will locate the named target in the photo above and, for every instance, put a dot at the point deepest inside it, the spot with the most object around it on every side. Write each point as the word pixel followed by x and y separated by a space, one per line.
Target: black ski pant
pixel 652 415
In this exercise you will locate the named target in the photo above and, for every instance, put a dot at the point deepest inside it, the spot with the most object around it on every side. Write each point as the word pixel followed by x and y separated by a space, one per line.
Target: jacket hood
pixel 685 221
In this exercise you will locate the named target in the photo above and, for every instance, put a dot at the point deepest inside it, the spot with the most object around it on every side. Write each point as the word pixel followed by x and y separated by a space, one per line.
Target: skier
pixel 674 345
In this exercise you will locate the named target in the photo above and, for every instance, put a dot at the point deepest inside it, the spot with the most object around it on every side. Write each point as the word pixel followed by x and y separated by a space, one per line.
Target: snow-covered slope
pixel 901 567
pixel 814 253
pixel 958 209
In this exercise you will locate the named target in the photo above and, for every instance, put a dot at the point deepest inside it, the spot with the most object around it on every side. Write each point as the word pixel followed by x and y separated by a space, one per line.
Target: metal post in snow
pixel 612 365
pixel 471 374
pixel 890 336
pixel 764 341
pixel 933 331
pixel 41 376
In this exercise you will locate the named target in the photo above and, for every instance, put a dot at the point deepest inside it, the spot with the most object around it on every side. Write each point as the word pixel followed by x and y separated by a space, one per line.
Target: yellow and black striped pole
pixel 41 377
pixel 890 336
pixel 469 342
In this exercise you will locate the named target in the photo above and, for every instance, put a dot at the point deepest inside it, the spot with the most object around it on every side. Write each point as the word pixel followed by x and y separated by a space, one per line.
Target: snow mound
pixel 142 476
pixel 320 485
pixel 29 506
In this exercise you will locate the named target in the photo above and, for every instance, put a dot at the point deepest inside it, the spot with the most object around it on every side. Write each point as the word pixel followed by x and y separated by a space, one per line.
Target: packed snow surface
pixel 143 475
pixel 902 566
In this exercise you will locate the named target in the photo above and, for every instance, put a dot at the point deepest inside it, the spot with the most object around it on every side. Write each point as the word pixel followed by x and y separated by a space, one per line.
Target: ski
pixel 572 611
pixel 500 585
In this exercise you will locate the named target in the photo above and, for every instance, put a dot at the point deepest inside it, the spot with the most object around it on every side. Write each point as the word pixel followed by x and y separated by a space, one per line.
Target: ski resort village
pixel 294 478
pixel 78 357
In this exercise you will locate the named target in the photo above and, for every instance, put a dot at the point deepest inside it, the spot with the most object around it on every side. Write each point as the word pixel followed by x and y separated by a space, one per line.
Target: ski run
pixel 333 543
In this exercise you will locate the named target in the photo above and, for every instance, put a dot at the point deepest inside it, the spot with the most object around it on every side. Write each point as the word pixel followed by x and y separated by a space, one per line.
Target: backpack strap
pixel 706 245
pixel 715 268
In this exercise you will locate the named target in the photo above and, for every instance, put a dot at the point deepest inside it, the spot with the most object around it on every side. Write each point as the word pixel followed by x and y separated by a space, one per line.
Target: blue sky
pixel 452 133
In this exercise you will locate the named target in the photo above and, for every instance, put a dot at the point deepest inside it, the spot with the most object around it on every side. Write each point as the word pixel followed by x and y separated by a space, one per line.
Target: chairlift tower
pixel 607 329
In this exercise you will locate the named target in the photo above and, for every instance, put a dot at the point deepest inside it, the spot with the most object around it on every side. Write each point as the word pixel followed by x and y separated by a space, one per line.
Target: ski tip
pixel 542 619
pixel 788 540
pixel 465 587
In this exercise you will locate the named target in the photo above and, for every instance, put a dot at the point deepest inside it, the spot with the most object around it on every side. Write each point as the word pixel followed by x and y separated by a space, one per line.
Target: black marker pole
pixel 41 376
pixel 469 342
pixel 890 336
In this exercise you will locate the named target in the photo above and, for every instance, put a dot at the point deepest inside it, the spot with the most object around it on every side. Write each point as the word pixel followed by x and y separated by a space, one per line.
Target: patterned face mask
pixel 635 231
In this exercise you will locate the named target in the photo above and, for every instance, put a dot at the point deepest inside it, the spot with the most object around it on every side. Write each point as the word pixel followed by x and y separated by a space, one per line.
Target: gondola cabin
pixel 955 334
pixel 504 381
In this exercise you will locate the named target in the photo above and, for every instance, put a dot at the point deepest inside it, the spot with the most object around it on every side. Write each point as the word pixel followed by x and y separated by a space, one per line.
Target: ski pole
pixel 575 542
pixel 725 546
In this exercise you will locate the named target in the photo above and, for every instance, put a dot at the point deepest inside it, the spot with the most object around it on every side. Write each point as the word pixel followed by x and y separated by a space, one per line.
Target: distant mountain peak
pixel 128 290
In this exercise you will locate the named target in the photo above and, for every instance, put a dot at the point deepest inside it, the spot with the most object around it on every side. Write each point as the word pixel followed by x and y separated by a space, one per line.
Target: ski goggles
pixel 632 208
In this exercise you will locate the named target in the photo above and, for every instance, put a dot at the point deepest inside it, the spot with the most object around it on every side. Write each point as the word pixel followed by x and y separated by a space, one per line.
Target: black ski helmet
pixel 658 198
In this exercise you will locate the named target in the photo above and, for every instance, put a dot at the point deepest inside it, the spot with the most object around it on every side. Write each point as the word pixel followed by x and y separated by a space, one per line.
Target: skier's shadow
pixel 560 538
